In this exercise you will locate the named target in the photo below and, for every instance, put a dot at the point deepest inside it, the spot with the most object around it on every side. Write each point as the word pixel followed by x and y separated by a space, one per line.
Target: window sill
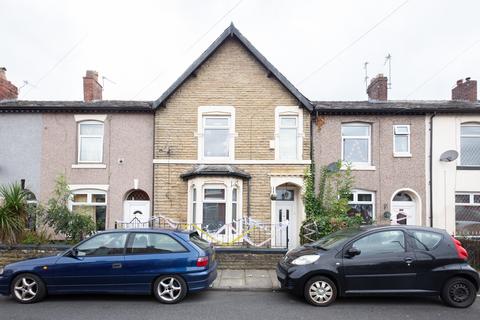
pixel 359 167
pixel 89 166
pixel 402 155
pixel 468 167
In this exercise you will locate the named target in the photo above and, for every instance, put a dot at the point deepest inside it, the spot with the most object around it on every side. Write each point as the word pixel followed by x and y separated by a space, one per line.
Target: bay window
pixel 356 140
pixel 470 144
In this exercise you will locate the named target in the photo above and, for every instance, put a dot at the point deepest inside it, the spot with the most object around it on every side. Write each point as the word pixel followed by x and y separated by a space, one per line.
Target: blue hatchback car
pixel 138 261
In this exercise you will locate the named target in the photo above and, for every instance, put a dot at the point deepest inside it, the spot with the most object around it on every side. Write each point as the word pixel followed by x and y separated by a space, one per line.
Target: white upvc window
pixel 401 141
pixel 90 141
pixel 470 144
pixel 356 144
pixel 288 133
pixel 92 203
pixel 467 213
pixel 216 133
pixel 363 203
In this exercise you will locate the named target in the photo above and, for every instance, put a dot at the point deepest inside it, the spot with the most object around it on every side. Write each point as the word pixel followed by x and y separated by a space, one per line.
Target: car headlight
pixel 308 259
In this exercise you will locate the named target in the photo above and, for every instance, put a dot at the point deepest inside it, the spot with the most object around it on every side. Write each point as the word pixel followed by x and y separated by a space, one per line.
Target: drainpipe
pixel 431 168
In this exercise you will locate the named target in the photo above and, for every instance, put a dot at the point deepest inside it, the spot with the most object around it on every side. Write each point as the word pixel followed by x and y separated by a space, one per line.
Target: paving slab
pixel 246 280
pixel 233 274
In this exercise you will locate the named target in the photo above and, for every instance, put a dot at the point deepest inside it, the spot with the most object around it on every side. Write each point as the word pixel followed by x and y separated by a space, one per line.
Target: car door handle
pixel 408 260
pixel 116 266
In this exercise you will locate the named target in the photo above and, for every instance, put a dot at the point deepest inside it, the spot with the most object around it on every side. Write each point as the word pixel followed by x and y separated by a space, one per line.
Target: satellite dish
pixel 449 156
pixel 333 167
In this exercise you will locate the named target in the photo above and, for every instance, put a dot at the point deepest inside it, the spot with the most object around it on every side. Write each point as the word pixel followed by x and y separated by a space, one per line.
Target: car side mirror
pixel 352 252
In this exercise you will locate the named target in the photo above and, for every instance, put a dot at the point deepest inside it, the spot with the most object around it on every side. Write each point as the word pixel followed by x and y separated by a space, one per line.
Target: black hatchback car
pixel 388 260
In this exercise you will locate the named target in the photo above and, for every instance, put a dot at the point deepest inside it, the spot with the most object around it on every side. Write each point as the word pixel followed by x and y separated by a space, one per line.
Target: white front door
pixel 285 211
pixel 403 212
pixel 137 213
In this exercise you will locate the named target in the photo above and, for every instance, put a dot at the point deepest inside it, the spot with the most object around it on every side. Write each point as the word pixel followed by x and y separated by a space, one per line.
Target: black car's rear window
pixel 425 240
pixel 336 238
pixel 197 240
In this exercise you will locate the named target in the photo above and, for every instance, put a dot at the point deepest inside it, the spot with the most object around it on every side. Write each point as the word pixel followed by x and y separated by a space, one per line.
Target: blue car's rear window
pixel 197 240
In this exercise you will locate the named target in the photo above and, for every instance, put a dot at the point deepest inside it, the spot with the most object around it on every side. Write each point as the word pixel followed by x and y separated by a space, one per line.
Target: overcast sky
pixel 143 46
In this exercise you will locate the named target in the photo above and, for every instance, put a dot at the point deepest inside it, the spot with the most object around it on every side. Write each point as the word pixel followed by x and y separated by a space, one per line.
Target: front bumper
pixel 4 285
pixel 288 279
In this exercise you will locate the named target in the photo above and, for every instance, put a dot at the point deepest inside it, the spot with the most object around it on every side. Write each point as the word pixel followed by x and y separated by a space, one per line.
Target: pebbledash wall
pixel 387 174
pixel 127 157
pixel 20 150
pixel 230 77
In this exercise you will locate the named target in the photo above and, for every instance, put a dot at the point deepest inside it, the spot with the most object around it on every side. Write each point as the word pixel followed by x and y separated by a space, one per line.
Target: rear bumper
pixel 197 281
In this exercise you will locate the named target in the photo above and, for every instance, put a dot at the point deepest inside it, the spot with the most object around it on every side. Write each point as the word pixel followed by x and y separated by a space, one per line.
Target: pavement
pixel 232 305
pixel 243 280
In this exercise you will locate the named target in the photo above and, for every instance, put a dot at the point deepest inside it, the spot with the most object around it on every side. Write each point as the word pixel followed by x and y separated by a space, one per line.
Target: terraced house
pixel 232 141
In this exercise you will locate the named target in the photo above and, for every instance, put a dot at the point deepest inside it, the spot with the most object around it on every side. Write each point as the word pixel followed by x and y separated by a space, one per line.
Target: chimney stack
pixel 378 88
pixel 92 90
pixel 466 91
pixel 8 91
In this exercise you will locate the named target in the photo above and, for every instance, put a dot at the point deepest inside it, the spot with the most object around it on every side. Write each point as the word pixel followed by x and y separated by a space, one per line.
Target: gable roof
pixel 231 31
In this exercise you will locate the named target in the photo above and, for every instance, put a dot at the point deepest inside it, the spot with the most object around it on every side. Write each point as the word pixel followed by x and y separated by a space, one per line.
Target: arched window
pixel 138 195
pixel 402 196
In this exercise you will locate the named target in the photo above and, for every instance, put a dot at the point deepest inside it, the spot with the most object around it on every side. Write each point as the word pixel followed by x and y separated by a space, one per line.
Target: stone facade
pixel 230 77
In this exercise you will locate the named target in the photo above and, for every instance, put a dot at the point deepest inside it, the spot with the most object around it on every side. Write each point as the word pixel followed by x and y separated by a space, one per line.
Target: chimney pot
pixel 92 90
pixel 465 91
pixel 378 88
pixel 8 91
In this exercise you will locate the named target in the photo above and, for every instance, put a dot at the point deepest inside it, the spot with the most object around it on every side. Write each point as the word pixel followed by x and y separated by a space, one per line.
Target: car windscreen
pixel 198 241
pixel 334 239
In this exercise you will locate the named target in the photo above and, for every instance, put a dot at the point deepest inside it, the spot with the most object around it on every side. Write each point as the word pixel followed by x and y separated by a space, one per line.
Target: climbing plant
pixel 327 209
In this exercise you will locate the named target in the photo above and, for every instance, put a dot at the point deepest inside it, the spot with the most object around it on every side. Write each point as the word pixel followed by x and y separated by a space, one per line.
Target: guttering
pixel 431 168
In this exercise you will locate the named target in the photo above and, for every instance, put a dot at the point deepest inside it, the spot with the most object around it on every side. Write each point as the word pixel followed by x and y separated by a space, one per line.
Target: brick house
pixel 232 140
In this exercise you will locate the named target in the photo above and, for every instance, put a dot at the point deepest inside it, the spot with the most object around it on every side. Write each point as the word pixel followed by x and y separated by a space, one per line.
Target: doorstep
pixel 246 280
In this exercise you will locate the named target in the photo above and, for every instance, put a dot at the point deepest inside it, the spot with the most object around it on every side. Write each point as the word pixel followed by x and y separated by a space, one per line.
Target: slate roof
pixel 75 106
pixel 231 31
pixel 215 170
pixel 395 107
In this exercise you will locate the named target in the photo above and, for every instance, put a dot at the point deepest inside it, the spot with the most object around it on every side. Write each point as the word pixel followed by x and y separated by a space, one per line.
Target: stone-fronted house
pixel 102 148
pixel 232 141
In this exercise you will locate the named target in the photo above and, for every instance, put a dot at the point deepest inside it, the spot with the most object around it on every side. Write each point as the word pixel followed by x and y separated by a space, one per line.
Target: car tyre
pixel 28 288
pixel 170 289
pixel 320 291
pixel 459 293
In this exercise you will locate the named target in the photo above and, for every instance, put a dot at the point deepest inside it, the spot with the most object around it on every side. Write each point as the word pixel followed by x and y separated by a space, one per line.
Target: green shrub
pixel 75 226
pixel 13 212
pixel 36 237
pixel 328 210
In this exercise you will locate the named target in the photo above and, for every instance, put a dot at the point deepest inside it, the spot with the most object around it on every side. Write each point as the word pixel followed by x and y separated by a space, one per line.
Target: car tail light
pixel 462 253
pixel 202 262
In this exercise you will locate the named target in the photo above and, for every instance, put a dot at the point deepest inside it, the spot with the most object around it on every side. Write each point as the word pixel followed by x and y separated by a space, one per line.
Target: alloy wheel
pixel 321 292
pixel 25 289
pixel 169 289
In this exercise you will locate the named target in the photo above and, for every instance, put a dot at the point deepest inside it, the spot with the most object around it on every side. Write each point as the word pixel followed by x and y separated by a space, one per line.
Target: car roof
pixel 406 227
pixel 154 230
